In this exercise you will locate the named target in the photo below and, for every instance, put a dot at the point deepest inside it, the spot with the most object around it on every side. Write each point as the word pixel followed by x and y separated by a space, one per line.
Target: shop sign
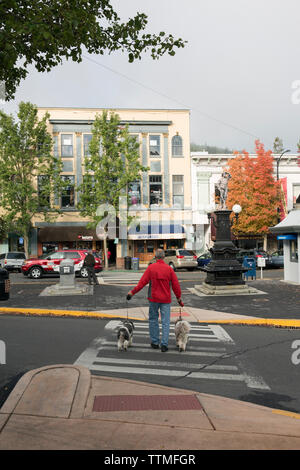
pixel 85 237
pixel 157 236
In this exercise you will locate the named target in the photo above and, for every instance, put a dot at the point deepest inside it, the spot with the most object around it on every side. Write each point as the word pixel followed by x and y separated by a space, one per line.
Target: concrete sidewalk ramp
pixel 65 407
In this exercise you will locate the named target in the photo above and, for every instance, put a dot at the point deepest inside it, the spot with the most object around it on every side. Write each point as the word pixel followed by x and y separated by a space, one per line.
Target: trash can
pixel 127 262
pixel 135 264
pixel 250 264
pixel 4 284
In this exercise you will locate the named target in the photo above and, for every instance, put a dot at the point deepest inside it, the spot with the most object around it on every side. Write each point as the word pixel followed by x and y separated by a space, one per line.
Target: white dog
pixel 182 329
pixel 125 335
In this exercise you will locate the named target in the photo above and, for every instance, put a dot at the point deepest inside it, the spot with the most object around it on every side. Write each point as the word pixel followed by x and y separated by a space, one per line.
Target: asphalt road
pixel 252 364
pixel 280 300
pixel 247 363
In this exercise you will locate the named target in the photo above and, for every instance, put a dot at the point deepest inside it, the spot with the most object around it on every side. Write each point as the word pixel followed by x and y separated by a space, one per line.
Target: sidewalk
pixel 63 407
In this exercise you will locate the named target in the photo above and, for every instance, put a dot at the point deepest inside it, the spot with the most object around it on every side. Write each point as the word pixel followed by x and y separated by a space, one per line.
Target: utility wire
pixel 170 98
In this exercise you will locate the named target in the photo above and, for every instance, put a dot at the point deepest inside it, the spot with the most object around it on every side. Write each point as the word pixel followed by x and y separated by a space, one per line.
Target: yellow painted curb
pixel 290 414
pixel 283 323
pixel 59 313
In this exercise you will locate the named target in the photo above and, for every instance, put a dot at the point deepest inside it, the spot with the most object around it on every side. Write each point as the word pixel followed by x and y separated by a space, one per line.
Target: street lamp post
pixel 277 175
pixel 278 161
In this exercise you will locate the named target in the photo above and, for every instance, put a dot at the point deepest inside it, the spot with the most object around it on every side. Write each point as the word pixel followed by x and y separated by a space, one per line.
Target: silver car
pixel 12 260
pixel 181 259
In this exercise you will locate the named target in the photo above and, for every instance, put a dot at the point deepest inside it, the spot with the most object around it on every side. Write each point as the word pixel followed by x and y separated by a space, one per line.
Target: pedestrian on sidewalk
pixel 160 278
pixel 89 263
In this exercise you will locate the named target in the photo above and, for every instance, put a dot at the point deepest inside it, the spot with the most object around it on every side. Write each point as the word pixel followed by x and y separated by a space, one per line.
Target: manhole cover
pixel 145 402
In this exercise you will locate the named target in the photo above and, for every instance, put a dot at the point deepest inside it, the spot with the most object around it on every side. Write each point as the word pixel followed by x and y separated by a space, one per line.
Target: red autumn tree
pixel 253 186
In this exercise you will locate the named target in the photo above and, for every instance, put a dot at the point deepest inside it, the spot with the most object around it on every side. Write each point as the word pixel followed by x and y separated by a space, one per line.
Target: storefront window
pixel 68 195
pixel 294 251
pixel 150 247
pixel 49 247
pixel 140 247
pixel 155 188
pixel 174 244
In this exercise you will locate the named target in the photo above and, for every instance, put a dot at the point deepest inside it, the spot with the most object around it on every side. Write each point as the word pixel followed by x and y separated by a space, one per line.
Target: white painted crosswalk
pixel 201 360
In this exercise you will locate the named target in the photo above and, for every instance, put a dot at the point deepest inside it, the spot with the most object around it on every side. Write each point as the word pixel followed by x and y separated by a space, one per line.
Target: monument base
pixel 76 289
pixel 209 289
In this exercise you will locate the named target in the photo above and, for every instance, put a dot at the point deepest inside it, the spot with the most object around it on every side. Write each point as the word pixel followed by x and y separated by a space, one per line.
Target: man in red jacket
pixel 160 277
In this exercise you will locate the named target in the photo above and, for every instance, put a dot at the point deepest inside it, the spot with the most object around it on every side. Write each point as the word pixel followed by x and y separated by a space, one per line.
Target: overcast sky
pixel 235 74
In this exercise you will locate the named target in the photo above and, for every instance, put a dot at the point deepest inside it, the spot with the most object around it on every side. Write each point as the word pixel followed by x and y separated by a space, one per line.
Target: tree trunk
pixel 265 242
pixel 26 245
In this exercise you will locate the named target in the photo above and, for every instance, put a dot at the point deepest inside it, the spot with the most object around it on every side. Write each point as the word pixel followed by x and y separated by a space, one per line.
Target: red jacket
pixel 160 277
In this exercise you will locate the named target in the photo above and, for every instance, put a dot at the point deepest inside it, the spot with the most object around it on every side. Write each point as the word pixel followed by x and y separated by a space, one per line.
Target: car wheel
pixel 172 266
pixel 35 273
pixel 83 272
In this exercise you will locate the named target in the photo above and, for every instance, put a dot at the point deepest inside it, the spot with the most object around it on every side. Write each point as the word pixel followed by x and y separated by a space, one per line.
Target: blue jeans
pixel 165 310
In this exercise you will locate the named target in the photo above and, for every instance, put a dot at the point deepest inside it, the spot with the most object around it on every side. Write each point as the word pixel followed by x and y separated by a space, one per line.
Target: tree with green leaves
pixel 112 165
pixel 29 173
pixel 44 32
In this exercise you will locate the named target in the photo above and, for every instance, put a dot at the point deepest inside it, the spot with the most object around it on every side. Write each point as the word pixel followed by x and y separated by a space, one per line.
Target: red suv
pixel 49 263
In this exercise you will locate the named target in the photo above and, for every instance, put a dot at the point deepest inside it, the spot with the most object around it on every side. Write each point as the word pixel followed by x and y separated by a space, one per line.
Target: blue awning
pixel 292 236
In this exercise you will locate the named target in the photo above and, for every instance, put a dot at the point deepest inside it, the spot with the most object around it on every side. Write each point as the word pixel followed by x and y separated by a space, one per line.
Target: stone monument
pixel 224 273
pixel 67 284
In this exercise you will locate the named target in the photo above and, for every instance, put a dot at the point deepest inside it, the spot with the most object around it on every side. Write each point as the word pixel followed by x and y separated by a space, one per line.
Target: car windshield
pixel 15 256
pixel 186 253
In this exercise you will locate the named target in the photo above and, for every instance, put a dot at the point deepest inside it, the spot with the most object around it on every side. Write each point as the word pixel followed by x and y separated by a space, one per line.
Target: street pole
pixel 278 161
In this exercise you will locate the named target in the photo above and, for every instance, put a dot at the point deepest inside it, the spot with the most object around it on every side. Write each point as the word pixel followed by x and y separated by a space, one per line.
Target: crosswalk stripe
pixel 195 336
pixel 147 350
pixel 168 372
pixel 110 360
pixel 147 345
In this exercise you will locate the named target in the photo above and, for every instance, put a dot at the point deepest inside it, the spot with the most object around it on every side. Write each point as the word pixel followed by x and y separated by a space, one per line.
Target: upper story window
pixel 155 189
pixel 68 195
pixel 178 191
pixel 44 190
pixel 86 144
pixel 154 145
pixel 134 193
pixel 67 145
pixel 177 148
pixel 296 194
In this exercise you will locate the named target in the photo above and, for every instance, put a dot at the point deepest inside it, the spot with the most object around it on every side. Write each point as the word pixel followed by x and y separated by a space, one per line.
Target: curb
pixel 62 313
pixel 271 322
pixel 275 322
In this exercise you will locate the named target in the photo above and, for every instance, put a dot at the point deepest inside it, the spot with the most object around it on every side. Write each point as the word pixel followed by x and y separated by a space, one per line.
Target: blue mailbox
pixel 250 264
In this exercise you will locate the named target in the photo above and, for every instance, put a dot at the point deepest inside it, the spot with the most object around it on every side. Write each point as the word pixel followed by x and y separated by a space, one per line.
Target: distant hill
pixel 209 149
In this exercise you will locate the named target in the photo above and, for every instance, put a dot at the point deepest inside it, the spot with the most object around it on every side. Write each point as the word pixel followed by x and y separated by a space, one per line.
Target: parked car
pixel 180 259
pixel 275 260
pixel 49 263
pixel 204 259
pixel 252 253
pixel 12 260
